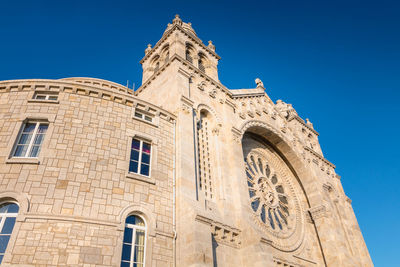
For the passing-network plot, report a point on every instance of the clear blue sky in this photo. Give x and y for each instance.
(337, 62)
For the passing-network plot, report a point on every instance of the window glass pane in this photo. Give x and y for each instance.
(146, 147)
(20, 151)
(146, 158)
(29, 127)
(53, 97)
(8, 225)
(135, 144)
(12, 208)
(128, 235)
(4, 242)
(43, 128)
(133, 166)
(40, 97)
(147, 118)
(138, 115)
(38, 139)
(135, 220)
(125, 264)
(34, 151)
(139, 238)
(126, 252)
(144, 169)
(134, 155)
(139, 254)
(25, 139)
(4, 208)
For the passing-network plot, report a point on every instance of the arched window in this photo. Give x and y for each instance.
(134, 243)
(8, 215)
(202, 60)
(189, 52)
(165, 53)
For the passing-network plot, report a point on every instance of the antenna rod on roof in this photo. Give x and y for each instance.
(127, 83)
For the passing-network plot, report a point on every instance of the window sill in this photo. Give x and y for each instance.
(141, 178)
(23, 161)
(43, 101)
(148, 122)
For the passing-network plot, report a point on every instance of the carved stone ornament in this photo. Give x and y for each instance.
(259, 83)
(213, 93)
(317, 212)
(272, 193)
(148, 49)
(211, 46)
(201, 86)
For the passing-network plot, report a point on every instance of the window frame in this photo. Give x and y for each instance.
(34, 134)
(3, 217)
(46, 96)
(143, 116)
(139, 161)
(135, 227)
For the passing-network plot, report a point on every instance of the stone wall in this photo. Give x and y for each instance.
(78, 193)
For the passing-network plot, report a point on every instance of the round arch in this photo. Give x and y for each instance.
(148, 216)
(21, 198)
(282, 146)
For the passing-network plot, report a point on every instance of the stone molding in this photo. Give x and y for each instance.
(285, 263)
(74, 87)
(301, 121)
(222, 233)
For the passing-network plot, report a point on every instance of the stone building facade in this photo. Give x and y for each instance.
(181, 172)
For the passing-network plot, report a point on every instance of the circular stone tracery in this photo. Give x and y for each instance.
(273, 200)
(267, 195)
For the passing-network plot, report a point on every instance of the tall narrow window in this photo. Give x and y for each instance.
(140, 157)
(189, 52)
(8, 215)
(134, 243)
(30, 140)
(205, 175)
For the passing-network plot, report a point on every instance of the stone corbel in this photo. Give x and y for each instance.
(187, 104)
(317, 212)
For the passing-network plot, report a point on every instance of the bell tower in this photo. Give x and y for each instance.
(180, 40)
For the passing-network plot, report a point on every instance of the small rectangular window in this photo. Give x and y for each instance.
(140, 157)
(143, 116)
(30, 140)
(45, 96)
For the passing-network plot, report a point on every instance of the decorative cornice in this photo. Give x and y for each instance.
(64, 85)
(319, 157)
(297, 118)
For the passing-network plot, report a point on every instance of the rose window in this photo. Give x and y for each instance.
(267, 194)
(273, 191)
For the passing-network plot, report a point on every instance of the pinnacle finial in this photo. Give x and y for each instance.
(308, 122)
(148, 49)
(211, 45)
(177, 20)
(259, 83)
